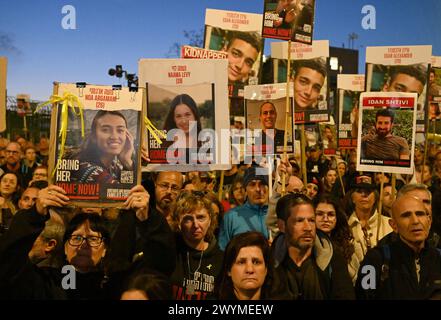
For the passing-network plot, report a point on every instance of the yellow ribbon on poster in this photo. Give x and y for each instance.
(157, 134)
(67, 100)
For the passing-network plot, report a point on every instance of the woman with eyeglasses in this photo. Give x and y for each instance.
(96, 269)
(199, 259)
(331, 219)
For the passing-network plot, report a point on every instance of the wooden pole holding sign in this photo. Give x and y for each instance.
(287, 111)
(380, 206)
(221, 185)
(303, 148)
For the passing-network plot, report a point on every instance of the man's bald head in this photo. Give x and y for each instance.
(411, 220)
(295, 185)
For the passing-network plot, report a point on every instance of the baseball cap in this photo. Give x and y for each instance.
(363, 181)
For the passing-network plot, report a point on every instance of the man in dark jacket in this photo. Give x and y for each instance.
(307, 268)
(407, 268)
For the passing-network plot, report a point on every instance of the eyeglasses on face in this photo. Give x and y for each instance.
(165, 186)
(77, 240)
(12, 152)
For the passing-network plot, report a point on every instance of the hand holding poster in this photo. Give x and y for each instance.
(349, 88)
(187, 99)
(3, 68)
(386, 132)
(104, 165)
(289, 20)
(265, 119)
(400, 69)
(310, 76)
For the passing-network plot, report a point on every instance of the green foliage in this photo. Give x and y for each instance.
(403, 123)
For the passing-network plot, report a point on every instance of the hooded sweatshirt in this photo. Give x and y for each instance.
(324, 275)
(196, 271)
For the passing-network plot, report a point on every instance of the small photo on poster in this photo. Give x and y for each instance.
(387, 132)
(328, 133)
(239, 35)
(434, 87)
(181, 112)
(400, 69)
(309, 74)
(289, 20)
(266, 121)
(349, 88)
(310, 90)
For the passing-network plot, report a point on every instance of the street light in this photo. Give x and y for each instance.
(132, 79)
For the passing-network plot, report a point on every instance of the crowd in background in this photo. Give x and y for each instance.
(198, 235)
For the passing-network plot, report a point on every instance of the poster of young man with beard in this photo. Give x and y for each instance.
(102, 166)
(386, 133)
(400, 69)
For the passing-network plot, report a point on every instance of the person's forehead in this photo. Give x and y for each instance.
(175, 177)
(408, 203)
(325, 207)
(245, 47)
(198, 210)
(182, 108)
(9, 177)
(255, 181)
(267, 107)
(420, 194)
(410, 82)
(303, 210)
(310, 74)
(254, 251)
(111, 120)
(383, 118)
(85, 228)
(295, 182)
(41, 171)
(13, 146)
(31, 192)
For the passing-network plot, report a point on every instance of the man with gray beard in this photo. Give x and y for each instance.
(167, 188)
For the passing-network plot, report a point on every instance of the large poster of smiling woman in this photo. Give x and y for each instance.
(102, 166)
(187, 101)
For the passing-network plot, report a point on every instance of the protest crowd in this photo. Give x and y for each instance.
(312, 217)
(174, 238)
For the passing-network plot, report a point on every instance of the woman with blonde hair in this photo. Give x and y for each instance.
(198, 259)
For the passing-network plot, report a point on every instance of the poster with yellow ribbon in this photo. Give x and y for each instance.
(97, 138)
(3, 69)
